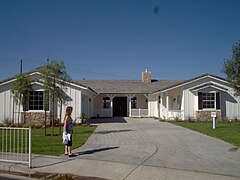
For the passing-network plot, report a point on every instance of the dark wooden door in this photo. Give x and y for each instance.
(120, 106)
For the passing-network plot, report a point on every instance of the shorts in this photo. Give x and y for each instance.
(69, 141)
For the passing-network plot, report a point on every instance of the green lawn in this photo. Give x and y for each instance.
(52, 145)
(229, 132)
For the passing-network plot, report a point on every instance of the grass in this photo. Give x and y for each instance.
(52, 145)
(229, 132)
(15, 141)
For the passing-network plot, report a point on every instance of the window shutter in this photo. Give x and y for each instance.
(46, 100)
(217, 100)
(200, 104)
(25, 103)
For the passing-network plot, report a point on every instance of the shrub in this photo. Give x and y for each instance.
(84, 119)
(225, 119)
(176, 118)
(33, 124)
(7, 122)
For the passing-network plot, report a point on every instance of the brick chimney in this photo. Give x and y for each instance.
(146, 76)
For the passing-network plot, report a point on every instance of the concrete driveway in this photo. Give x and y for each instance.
(146, 143)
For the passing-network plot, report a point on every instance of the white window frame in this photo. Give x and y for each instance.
(134, 102)
(35, 101)
(106, 103)
(209, 100)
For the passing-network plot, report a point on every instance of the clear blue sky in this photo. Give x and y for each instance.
(118, 39)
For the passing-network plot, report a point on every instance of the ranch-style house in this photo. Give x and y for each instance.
(189, 99)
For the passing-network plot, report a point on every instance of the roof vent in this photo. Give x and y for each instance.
(146, 76)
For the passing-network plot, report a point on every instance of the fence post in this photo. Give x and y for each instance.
(30, 148)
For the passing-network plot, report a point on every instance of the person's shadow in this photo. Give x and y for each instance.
(95, 150)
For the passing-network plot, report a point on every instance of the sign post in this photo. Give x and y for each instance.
(214, 115)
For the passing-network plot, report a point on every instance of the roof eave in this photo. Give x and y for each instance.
(190, 81)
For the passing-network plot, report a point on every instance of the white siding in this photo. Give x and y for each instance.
(142, 102)
(186, 105)
(232, 107)
(190, 104)
(6, 105)
(85, 105)
(74, 101)
(74, 94)
(153, 105)
(98, 107)
(195, 104)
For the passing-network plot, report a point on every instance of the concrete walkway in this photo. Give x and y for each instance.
(142, 148)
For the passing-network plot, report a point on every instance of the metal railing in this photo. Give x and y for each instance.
(16, 145)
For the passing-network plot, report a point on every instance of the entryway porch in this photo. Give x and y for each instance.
(120, 105)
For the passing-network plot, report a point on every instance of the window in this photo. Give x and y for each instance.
(134, 103)
(106, 102)
(36, 100)
(208, 100)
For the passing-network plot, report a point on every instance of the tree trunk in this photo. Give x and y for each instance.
(13, 113)
(24, 110)
(60, 118)
(45, 125)
(52, 119)
(18, 112)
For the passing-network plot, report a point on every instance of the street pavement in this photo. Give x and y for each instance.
(143, 148)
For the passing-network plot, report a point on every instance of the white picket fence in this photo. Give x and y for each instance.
(16, 145)
(139, 112)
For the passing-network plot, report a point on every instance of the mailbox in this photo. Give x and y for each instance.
(213, 114)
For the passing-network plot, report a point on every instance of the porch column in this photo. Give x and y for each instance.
(160, 108)
(146, 95)
(167, 104)
(130, 109)
(81, 104)
(111, 104)
(183, 104)
(93, 113)
(130, 96)
(90, 107)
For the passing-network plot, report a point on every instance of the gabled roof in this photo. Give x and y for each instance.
(208, 84)
(192, 80)
(127, 86)
(13, 77)
(37, 70)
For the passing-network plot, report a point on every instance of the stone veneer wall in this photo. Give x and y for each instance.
(206, 115)
(36, 118)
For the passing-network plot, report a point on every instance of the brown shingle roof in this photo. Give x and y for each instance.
(126, 86)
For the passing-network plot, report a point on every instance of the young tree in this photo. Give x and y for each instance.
(21, 89)
(231, 67)
(55, 78)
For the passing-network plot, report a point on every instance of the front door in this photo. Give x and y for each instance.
(120, 106)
